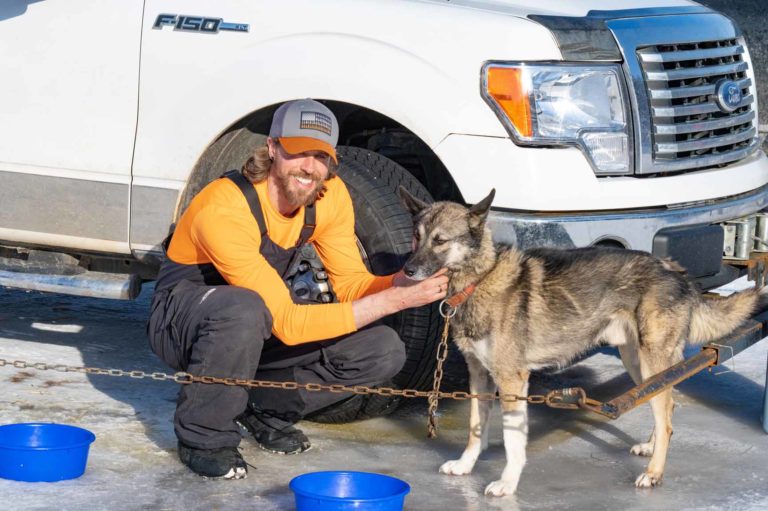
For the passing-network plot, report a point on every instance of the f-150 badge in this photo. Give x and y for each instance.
(197, 24)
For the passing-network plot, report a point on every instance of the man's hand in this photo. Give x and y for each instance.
(405, 293)
(414, 293)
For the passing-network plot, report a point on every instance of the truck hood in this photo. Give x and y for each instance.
(523, 8)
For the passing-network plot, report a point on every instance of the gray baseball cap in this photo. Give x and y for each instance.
(305, 125)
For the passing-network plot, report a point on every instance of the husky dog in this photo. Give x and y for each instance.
(542, 308)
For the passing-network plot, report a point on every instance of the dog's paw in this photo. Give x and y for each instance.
(501, 488)
(643, 449)
(646, 480)
(458, 467)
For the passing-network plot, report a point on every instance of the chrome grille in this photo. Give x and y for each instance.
(689, 128)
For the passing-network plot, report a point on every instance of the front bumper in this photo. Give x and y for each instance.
(634, 229)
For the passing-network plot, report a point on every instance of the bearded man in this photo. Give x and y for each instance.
(222, 308)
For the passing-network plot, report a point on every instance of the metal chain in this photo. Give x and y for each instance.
(442, 353)
(22, 364)
(186, 378)
(571, 398)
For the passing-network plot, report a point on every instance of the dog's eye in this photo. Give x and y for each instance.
(437, 240)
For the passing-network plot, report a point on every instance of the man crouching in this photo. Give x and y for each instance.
(221, 306)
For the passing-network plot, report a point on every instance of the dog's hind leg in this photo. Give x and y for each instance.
(629, 357)
(480, 382)
(515, 425)
(662, 405)
(622, 332)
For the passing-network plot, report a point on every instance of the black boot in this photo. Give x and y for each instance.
(224, 462)
(273, 435)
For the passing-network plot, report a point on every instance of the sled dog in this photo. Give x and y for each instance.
(542, 308)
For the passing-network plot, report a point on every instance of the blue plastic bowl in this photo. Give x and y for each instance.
(43, 452)
(347, 491)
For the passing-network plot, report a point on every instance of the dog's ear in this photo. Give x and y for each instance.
(479, 211)
(412, 204)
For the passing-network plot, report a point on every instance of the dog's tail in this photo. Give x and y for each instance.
(712, 319)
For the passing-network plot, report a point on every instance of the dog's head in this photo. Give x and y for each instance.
(446, 235)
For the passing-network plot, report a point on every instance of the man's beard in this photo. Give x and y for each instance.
(296, 196)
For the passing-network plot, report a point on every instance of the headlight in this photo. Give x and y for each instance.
(559, 104)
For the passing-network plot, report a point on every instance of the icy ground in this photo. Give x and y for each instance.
(576, 460)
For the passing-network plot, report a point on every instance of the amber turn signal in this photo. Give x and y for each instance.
(506, 86)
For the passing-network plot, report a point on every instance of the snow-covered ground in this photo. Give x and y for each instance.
(576, 460)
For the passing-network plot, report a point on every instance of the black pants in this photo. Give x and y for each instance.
(225, 332)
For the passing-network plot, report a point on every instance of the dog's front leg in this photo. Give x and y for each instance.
(480, 382)
(515, 425)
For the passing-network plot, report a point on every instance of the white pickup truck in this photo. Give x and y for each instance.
(630, 123)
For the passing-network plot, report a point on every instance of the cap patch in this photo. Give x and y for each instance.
(316, 121)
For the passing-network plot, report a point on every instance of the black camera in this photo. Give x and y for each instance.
(307, 279)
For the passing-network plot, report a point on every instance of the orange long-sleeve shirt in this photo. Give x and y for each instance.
(218, 228)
